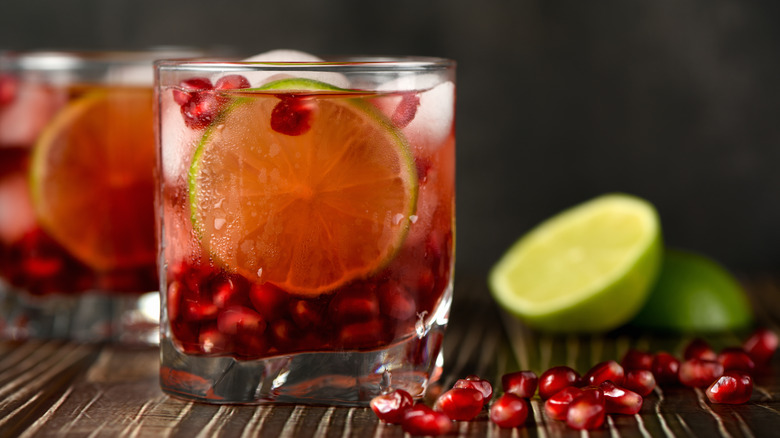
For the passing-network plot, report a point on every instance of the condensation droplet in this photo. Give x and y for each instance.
(260, 273)
(398, 218)
(413, 218)
(219, 223)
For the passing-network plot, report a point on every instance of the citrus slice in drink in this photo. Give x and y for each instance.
(307, 212)
(92, 178)
(587, 269)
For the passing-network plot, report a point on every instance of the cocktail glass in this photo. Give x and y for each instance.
(307, 227)
(77, 246)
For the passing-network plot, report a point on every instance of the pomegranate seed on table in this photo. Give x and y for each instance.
(475, 382)
(461, 404)
(557, 405)
(637, 360)
(556, 379)
(698, 348)
(665, 368)
(640, 381)
(601, 372)
(699, 373)
(422, 420)
(520, 383)
(736, 359)
(760, 346)
(619, 400)
(733, 387)
(391, 406)
(509, 411)
(587, 410)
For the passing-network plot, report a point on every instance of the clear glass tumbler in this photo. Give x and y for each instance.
(77, 245)
(307, 227)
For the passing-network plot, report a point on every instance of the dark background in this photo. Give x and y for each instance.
(558, 101)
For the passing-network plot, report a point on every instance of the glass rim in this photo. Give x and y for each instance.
(66, 59)
(329, 63)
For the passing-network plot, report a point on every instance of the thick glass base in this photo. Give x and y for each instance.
(88, 317)
(348, 378)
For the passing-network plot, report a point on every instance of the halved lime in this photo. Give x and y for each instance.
(587, 269)
(694, 294)
(306, 212)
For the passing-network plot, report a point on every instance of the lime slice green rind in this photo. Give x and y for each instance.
(570, 275)
(694, 294)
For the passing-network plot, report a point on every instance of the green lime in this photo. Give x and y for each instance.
(694, 294)
(587, 269)
(307, 212)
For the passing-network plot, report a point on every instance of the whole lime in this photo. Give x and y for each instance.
(694, 294)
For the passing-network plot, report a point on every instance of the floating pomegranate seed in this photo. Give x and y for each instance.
(391, 406)
(587, 410)
(509, 411)
(619, 400)
(520, 383)
(736, 359)
(269, 301)
(200, 110)
(637, 360)
(353, 305)
(640, 381)
(557, 405)
(760, 346)
(733, 387)
(189, 87)
(601, 372)
(461, 404)
(422, 420)
(555, 379)
(292, 115)
(240, 320)
(699, 349)
(665, 368)
(231, 82)
(406, 110)
(475, 382)
(699, 373)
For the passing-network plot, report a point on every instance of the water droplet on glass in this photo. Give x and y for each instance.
(259, 272)
(219, 223)
(413, 218)
(398, 218)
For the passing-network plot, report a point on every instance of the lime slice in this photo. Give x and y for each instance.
(694, 294)
(92, 178)
(588, 269)
(306, 212)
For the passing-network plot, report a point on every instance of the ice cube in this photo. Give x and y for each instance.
(178, 141)
(257, 78)
(432, 122)
(30, 108)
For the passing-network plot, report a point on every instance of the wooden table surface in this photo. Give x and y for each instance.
(55, 388)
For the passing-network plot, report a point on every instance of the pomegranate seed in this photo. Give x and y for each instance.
(42, 266)
(8, 88)
(292, 115)
(391, 406)
(212, 341)
(195, 311)
(422, 420)
(231, 82)
(305, 313)
(353, 306)
(269, 301)
(637, 360)
(733, 387)
(461, 404)
(699, 349)
(173, 300)
(558, 404)
(555, 379)
(200, 110)
(665, 368)
(619, 400)
(601, 372)
(396, 301)
(640, 381)
(760, 346)
(509, 411)
(240, 320)
(474, 382)
(226, 292)
(362, 334)
(520, 383)
(699, 372)
(190, 87)
(736, 359)
(587, 410)
(283, 333)
(406, 110)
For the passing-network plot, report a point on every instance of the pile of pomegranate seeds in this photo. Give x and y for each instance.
(584, 401)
